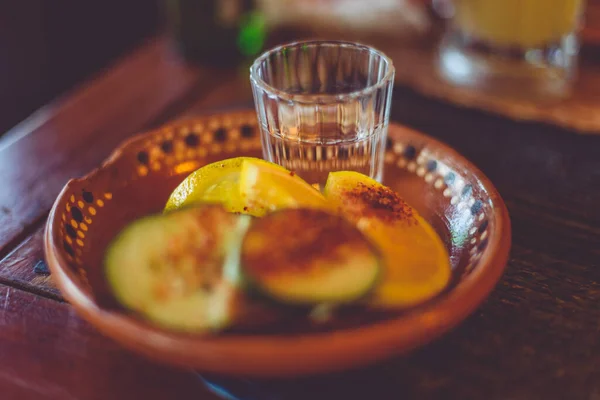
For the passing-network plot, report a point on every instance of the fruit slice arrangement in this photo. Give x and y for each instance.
(244, 230)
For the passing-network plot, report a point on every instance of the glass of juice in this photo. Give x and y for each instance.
(521, 48)
(323, 106)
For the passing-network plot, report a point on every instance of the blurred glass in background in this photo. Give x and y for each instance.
(522, 48)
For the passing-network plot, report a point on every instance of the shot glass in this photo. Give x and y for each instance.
(323, 106)
(518, 48)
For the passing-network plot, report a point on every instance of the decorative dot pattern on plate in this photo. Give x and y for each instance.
(73, 226)
(424, 165)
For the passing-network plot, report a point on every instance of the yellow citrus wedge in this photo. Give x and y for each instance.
(214, 183)
(266, 187)
(416, 263)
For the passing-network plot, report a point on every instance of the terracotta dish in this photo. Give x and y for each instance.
(458, 200)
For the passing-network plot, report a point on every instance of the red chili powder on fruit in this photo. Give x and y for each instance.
(297, 238)
(377, 202)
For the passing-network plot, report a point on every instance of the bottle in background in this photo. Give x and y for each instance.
(216, 32)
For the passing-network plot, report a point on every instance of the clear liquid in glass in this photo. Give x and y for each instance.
(314, 157)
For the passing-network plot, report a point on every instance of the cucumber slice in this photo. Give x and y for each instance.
(308, 256)
(170, 268)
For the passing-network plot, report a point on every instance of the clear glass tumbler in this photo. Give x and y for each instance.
(323, 106)
(519, 48)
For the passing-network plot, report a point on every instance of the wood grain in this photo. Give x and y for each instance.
(47, 352)
(235, 91)
(73, 135)
(25, 268)
(49, 47)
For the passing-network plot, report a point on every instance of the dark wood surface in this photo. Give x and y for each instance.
(48, 46)
(47, 352)
(536, 337)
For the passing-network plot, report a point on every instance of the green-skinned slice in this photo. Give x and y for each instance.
(174, 270)
(307, 257)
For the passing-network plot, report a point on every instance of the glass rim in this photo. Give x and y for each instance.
(320, 98)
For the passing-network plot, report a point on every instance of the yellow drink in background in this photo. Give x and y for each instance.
(517, 23)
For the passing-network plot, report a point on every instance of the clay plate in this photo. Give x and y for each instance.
(446, 189)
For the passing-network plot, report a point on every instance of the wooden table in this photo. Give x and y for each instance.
(538, 335)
